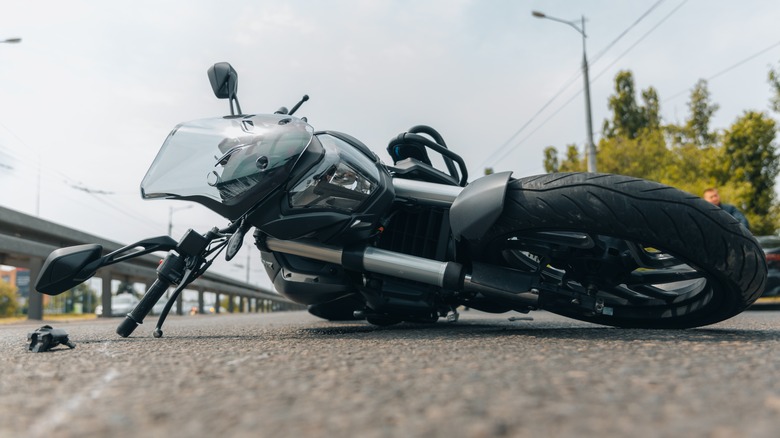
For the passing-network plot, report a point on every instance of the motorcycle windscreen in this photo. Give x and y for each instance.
(227, 159)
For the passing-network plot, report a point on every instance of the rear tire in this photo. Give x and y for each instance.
(626, 252)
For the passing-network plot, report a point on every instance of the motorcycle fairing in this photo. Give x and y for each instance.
(478, 206)
(223, 162)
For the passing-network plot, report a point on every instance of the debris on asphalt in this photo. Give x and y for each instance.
(46, 338)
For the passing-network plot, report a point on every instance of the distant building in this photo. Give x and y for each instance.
(18, 277)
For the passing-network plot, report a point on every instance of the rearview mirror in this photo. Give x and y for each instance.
(66, 268)
(224, 80)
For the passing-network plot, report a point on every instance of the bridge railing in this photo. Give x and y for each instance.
(26, 241)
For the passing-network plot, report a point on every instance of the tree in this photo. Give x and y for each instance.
(67, 301)
(774, 82)
(125, 287)
(644, 156)
(628, 117)
(8, 301)
(752, 159)
(633, 142)
(742, 161)
(696, 129)
(702, 110)
(633, 130)
(87, 296)
(574, 162)
(551, 164)
(650, 113)
(692, 168)
(696, 161)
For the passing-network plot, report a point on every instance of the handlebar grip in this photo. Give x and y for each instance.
(136, 317)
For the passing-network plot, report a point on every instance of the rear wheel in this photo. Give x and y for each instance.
(626, 252)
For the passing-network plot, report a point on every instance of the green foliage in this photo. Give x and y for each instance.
(8, 301)
(774, 82)
(67, 301)
(644, 156)
(573, 161)
(749, 146)
(697, 127)
(88, 297)
(629, 119)
(650, 113)
(125, 287)
(691, 168)
(742, 162)
(551, 164)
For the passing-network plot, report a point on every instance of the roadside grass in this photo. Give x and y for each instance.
(59, 318)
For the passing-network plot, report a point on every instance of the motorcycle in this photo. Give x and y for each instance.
(353, 238)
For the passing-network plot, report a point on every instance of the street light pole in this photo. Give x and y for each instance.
(11, 40)
(590, 148)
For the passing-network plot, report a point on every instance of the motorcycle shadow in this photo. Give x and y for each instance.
(534, 330)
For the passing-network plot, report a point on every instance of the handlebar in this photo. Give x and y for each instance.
(169, 272)
(175, 269)
(136, 317)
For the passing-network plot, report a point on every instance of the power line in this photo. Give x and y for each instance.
(640, 39)
(501, 150)
(544, 122)
(728, 69)
(47, 171)
(619, 37)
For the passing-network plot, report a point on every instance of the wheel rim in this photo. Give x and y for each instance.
(602, 276)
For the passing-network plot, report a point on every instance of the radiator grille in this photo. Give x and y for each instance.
(421, 233)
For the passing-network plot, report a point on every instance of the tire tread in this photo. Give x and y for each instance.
(647, 212)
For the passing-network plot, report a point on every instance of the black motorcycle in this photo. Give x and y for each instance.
(354, 238)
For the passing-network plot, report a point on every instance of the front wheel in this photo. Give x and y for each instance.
(626, 252)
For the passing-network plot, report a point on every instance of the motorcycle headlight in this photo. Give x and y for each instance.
(336, 181)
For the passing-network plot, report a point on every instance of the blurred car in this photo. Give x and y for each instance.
(191, 307)
(771, 246)
(121, 305)
(159, 306)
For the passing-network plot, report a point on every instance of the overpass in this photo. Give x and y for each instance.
(26, 241)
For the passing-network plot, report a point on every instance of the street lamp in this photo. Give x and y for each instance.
(11, 40)
(170, 217)
(590, 148)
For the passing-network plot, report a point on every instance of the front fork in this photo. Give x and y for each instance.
(517, 288)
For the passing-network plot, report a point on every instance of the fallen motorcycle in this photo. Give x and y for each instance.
(354, 238)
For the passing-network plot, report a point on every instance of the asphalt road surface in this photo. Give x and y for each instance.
(292, 375)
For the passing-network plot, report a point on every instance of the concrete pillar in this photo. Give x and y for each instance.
(201, 307)
(231, 303)
(35, 299)
(218, 304)
(180, 304)
(105, 292)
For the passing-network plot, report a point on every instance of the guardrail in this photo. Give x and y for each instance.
(26, 241)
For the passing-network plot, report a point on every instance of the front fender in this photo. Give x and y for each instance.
(478, 206)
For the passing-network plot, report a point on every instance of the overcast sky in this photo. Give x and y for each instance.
(92, 91)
